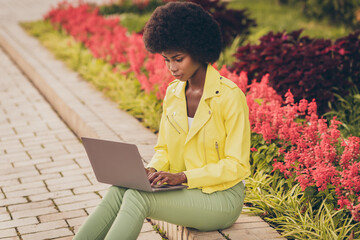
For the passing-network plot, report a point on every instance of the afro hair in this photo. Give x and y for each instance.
(185, 27)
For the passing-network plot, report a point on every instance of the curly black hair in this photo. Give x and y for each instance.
(185, 27)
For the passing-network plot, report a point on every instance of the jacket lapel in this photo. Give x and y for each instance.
(180, 115)
(203, 112)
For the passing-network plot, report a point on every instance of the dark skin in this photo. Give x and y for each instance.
(182, 66)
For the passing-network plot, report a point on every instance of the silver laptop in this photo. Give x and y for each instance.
(120, 164)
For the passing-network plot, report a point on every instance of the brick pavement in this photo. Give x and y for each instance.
(46, 187)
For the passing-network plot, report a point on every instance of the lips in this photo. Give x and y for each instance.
(177, 76)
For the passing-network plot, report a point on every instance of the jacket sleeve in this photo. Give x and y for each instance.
(235, 165)
(160, 160)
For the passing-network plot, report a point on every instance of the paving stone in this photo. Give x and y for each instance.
(25, 173)
(76, 221)
(17, 171)
(76, 198)
(54, 233)
(18, 222)
(70, 156)
(83, 162)
(75, 148)
(12, 201)
(147, 227)
(90, 210)
(50, 195)
(10, 238)
(76, 229)
(55, 164)
(79, 205)
(6, 167)
(26, 192)
(46, 153)
(96, 188)
(69, 185)
(31, 140)
(62, 215)
(23, 186)
(4, 217)
(30, 206)
(34, 212)
(40, 227)
(3, 210)
(102, 193)
(79, 171)
(31, 162)
(92, 178)
(59, 169)
(8, 233)
(15, 156)
(9, 182)
(65, 238)
(41, 177)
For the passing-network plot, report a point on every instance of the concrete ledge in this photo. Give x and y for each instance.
(175, 232)
(247, 227)
(99, 117)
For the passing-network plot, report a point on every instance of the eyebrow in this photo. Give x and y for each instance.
(175, 56)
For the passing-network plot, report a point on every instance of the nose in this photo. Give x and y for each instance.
(173, 67)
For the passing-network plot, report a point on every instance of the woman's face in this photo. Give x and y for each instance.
(180, 64)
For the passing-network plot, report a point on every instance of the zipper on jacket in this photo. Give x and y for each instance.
(177, 123)
(217, 149)
(204, 142)
(167, 116)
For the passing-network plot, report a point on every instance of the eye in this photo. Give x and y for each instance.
(166, 60)
(179, 59)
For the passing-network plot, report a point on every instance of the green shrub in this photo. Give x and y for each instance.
(134, 22)
(262, 154)
(347, 110)
(337, 11)
(227, 56)
(297, 217)
(127, 6)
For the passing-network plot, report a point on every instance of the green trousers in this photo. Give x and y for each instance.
(122, 212)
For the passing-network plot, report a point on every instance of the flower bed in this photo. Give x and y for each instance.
(306, 150)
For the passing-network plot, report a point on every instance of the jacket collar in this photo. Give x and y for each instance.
(211, 87)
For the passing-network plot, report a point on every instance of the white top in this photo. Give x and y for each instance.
(190, 120)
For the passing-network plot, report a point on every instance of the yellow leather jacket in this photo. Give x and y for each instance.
(214, 153)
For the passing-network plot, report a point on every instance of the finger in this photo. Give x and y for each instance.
(155, 174)
(157, 179)
(152, 176)
(163, 180)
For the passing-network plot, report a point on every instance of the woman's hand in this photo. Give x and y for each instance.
(170, 178)
(150, 170)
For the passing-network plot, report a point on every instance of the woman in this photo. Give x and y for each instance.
(204, 136)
